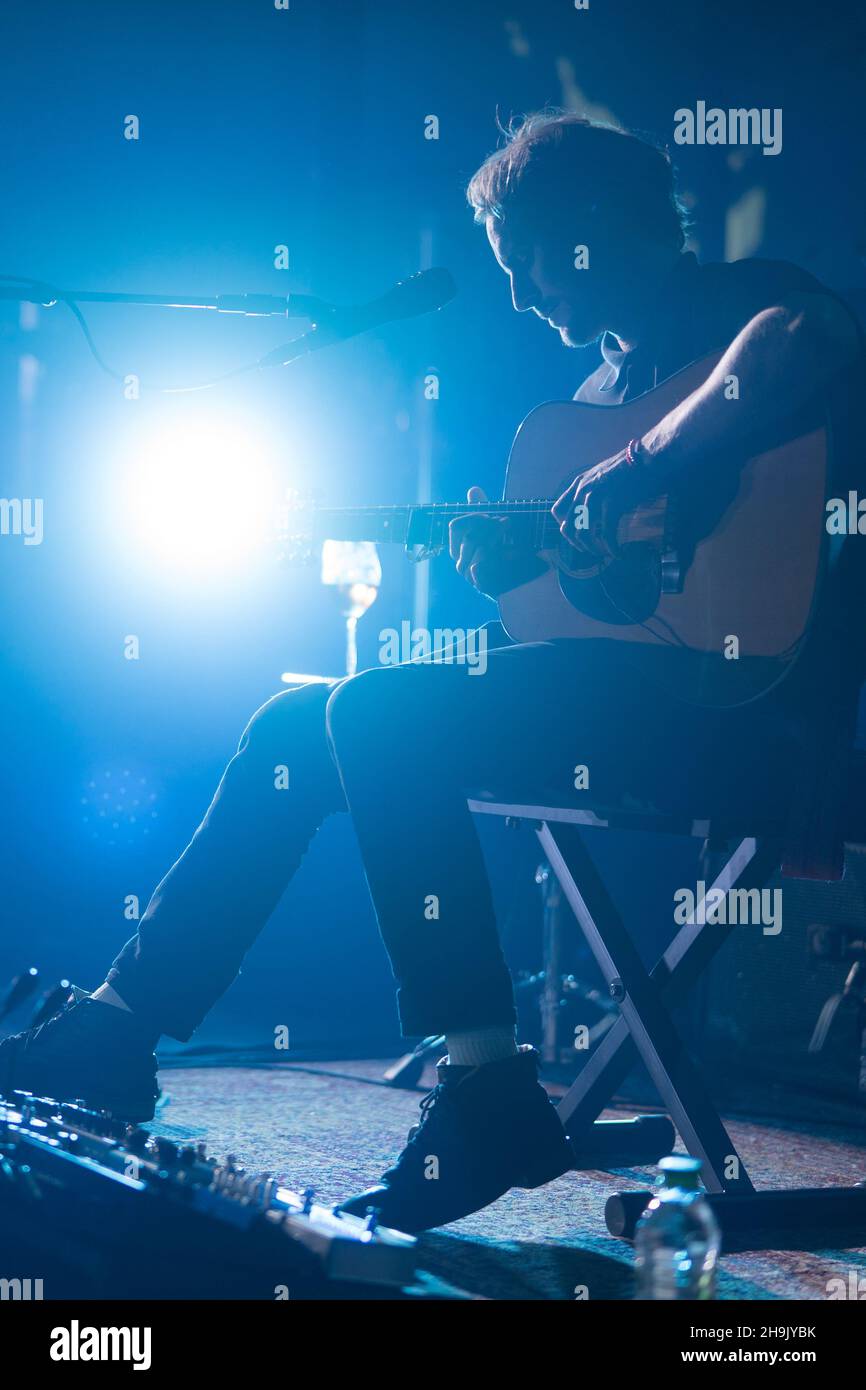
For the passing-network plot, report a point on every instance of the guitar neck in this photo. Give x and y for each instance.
(426, 524)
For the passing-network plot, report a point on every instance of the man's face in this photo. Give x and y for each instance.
(540, 264)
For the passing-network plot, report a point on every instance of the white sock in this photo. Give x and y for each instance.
(480, 1045)
(106, 995)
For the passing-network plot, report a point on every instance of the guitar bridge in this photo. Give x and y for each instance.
(671, 576)
(671, 572)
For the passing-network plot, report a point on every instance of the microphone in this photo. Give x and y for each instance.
(419, 294)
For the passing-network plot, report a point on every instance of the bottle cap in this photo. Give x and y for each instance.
(679, 1170)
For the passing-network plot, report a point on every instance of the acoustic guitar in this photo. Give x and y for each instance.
(731, 552)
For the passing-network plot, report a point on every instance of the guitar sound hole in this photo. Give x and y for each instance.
(627, 590)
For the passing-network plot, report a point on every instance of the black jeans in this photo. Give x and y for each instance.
(399, 746)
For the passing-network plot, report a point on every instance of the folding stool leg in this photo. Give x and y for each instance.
(749, 866)
(673, 1072)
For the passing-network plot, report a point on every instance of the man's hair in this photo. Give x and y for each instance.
(560, 157)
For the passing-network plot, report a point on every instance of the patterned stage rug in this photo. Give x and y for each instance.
(324, 1125)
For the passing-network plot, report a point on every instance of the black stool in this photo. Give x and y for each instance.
(753, 1220)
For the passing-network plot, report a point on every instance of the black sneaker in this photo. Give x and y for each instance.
(90, 1051)
(483, 1130)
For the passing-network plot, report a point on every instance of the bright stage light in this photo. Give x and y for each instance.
(202, 499)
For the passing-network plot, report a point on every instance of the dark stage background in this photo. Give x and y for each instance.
(305, 128)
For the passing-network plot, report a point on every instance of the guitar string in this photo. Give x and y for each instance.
(538, 512)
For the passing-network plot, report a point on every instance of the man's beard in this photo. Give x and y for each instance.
(577, 339)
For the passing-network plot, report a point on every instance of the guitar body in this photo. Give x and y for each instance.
(735, 552)
(722, 575)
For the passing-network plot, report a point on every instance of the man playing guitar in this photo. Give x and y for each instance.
(584, 221)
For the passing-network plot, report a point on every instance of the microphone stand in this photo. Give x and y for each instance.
(304, 306)
(418, 294)
(331, 323)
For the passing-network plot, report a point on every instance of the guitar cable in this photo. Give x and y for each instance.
(642, 623)
(784, 658)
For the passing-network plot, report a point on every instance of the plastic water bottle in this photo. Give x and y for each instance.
(677, 1239)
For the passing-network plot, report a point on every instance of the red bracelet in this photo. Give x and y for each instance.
(632, 450)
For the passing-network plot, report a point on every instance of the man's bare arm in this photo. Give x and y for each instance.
(781, 357)
(778, 360)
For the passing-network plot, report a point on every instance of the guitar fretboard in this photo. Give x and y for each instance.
(426, 524)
